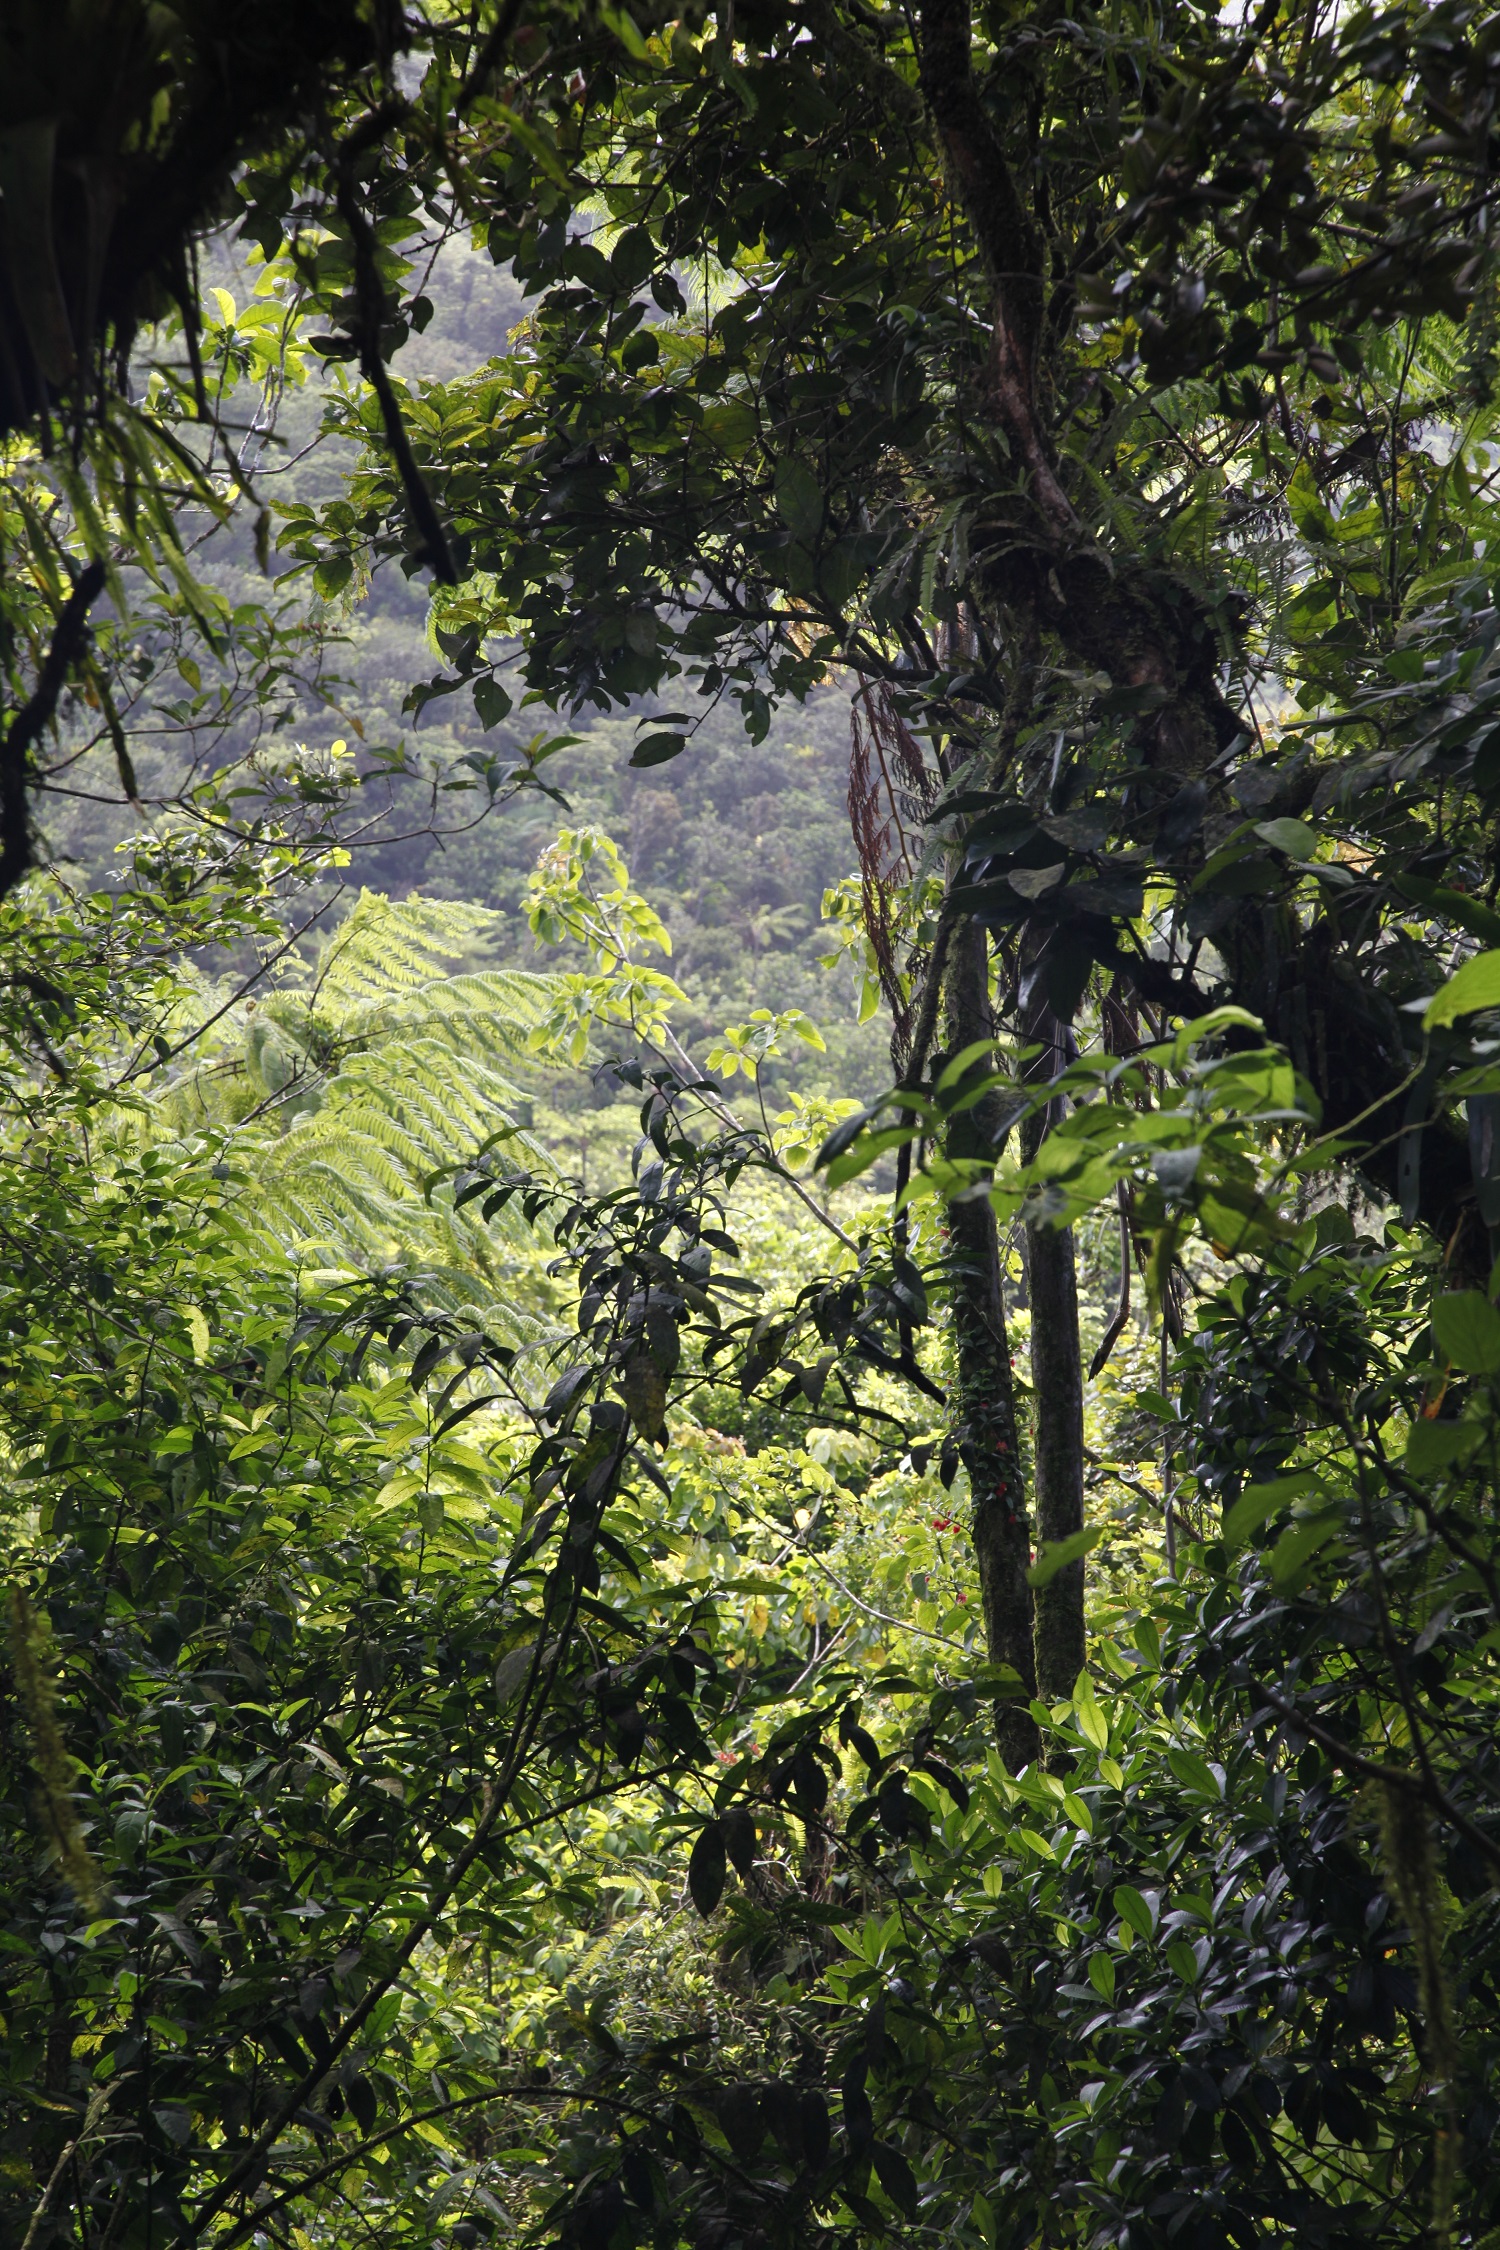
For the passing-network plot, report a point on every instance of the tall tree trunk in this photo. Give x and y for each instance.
(1148, 629)
(984, 1416)
(1057, 1387)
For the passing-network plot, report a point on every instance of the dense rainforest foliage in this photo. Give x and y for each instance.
(750, 1125)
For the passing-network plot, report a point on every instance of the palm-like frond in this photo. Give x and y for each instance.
(387, 945)
(355, 1088)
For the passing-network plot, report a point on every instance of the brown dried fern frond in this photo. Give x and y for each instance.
(890, 792)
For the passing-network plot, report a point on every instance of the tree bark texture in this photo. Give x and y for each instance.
(1057, 1452)
(1146, 627)
(984, 1419)
(1056, 1370)
(69, 640)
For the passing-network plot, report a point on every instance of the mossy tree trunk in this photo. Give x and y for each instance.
(984, 1407)
(1057, 1398)
(1057, 1452)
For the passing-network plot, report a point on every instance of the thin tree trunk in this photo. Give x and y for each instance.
(1057, 1384)
(984, 1422)
(1056, 1373)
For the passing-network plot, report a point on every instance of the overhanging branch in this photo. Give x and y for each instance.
(69, 639)
(370, 309)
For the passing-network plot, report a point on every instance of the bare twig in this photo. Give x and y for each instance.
(91, 2118)
(1112, 1333)
(489, 54)
(535, 1693)
(350, 2156)
(370, 309)
(1344, 1754)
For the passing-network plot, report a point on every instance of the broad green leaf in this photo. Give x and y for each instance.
(730, 424)
(400, 1487)
(1134, 1911)
(896, 2177)
(657, 749)
(1055, 1555)
(1434, 1446)
(867, 1150)
(1259, 1502)
(1470, 914)
(1299, 1543)
(1293, 837)
(1467, 1328)
(1309, 510)
(707, 1868)
(1196, 1774)
(1092, 1724)
(627, 31)
(1078, 1812)
(799, 499)
(491, 702)
(633, 257)
(1184, 1960)
(511, 1671)
(1476, 985)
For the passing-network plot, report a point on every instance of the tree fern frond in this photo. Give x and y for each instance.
(498, 1004)
(387, 946)
(362, 1086)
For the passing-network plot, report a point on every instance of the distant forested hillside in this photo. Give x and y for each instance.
(736, 842)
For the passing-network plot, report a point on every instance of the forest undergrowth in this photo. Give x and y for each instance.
(749, 1085)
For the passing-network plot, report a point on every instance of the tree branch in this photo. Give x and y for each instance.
(1396, 1777)
(864, 63)
(370, 307)
(495, 44)
(1007, 240)
(1008, 244)
(538, 1686)
(356, 2155)
(69, 639)
(91, 2118)
(1121, 1314)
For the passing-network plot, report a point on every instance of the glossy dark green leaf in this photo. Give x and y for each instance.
(707, 1867)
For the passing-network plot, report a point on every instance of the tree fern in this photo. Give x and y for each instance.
(352, 1088)
(387, 946)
